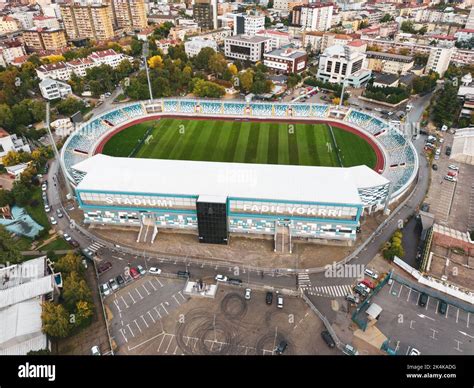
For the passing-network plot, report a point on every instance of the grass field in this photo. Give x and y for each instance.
(242, 142)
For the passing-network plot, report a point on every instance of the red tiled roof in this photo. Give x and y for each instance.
(3, 133)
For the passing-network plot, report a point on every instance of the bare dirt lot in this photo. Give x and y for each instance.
(167, 322)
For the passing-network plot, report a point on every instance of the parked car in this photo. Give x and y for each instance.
(364, 287)
(134, 273)
(234, 281)
(371, 273)
(104, 267)
(452, 173)
(352, 298)
(279, 301)
(442, 307)
(221, 278)
(453, 167)
(47, 209)
(105, 289)
(67, 237)
(154, 271)
(281, 347)
(44, 186)
(74, 243)
(141, 270)
(53, 221)
(350, 350)
(88, 253)
(95, 351)
(184, 274)
(113, 284)
(423, 300)
(434, 167)
(59, 213)
(328, 339)
(448, 151)
(269, 297)
(450, 178)
(247, 294)
(120, 280)
(368, 283)
(361, 290)
(414, 352)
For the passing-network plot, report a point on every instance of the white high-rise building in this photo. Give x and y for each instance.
(313, 17)
(249, 24)
(439, 59)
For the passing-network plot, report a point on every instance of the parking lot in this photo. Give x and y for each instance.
(449, 201)
(152, 316)
(408, 325)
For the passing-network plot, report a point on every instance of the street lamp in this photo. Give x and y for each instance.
(342, 92)
(145, 55)
(56, 152)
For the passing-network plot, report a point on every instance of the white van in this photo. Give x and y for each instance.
(279, 301)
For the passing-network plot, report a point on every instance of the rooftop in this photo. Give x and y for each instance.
(277, 182)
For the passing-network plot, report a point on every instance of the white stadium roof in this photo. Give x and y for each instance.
(243, 180)
(463, 146)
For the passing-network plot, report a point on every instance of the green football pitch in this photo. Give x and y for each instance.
(241, 142)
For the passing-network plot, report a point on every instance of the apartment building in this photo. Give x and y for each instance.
(8, 24)
(45, 39)
(63, 70)
(130, 15)
(313, 17)
(53, 89)
(9, 51)
(46, 22)
(248, 23)
(439, 60)
(87, 20)
(205, 14)
(389, 63)
(278, 38)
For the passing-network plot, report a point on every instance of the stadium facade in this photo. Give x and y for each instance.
(218, 200)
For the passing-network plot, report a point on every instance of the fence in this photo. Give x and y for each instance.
(433, 293)
(327, 324)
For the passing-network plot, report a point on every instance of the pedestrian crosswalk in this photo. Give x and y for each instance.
(95, 247)
(304, 280)
(330, 291)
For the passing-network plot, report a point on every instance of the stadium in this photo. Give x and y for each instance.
(303, 171)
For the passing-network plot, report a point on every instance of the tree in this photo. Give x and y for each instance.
(70, 263)
(6, 198)
(207, 89)
(246, 80)
(136, 47)
(6, 116)
(217, 64)
(71, 105)
(83, 313)
(155, 62)
(75, 289)
(407, 26)
(446, 106)
(201, 61)
(9, 253)
(55, 320)
(363, 24)
(22, 194)
(386, 18)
